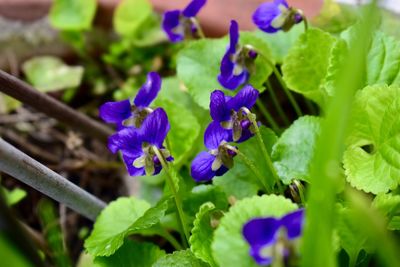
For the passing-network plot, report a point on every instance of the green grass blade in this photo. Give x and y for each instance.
(318, 247)
(53, 234)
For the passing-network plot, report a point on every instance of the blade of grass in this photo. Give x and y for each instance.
(53, 234)
(29, 171)
(317, 249)
(15, 244)
(372, 224)
(51, 107)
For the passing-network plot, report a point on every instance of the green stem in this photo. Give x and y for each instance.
(265, 153)
(310, 106)
(170, 238)
(268, 116)
(305, 21)
(250, 164)
(178, 201)
(275, 101)
(199, 29)
(284, 86)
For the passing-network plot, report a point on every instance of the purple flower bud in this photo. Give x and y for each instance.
(252, 54)
(298, 18)
(245, 124)
(156, 160)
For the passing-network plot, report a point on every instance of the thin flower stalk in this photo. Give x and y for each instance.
(178, 200)
(264, 151)
(290, 96)
(276, 104)
(250, 164)
(264, 111)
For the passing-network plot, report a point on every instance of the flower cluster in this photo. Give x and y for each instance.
(181, 24)
(271, 238)
(139, 141)
(230, 124)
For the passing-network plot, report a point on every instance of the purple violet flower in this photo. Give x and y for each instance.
(179, 24)
(120, 111)
(277, 15)
(236, 61)
(138, 144)
(232, 112)
(271, 237)
(219, 157)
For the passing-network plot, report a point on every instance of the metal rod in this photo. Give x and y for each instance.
(25, 93)
(22, 167)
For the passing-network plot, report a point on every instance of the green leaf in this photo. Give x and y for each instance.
(205, 193)
(335, 17)
(184, 129)
(335, 66)
(229, 247)
(352, 239)
(13, 196)
(281, 42)
(306, 65)
(292, 153)
(130, 15)
(52, 233)
(120, 218)
(383, 60)
(183, 258)
(372, 156)
(8, 104)
(198, 68)
(173, 90)
(12, 255)
(388, 204)
(202, 234)
(132, 254)
(394, 223)
(50, 74)
(240, 181)
(72, 15)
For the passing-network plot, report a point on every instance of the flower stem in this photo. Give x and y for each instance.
(310, 106)
(250, 164)
(170, 238)
(284, 86)
(265, 153)
(178, 201)
(199, 29)
(305, 21)
(268, 116)
(275, 101)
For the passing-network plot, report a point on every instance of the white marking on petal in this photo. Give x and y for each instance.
(267, 251)
(139, 162)
(281, 18)
(237, 70)
(217, 163)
